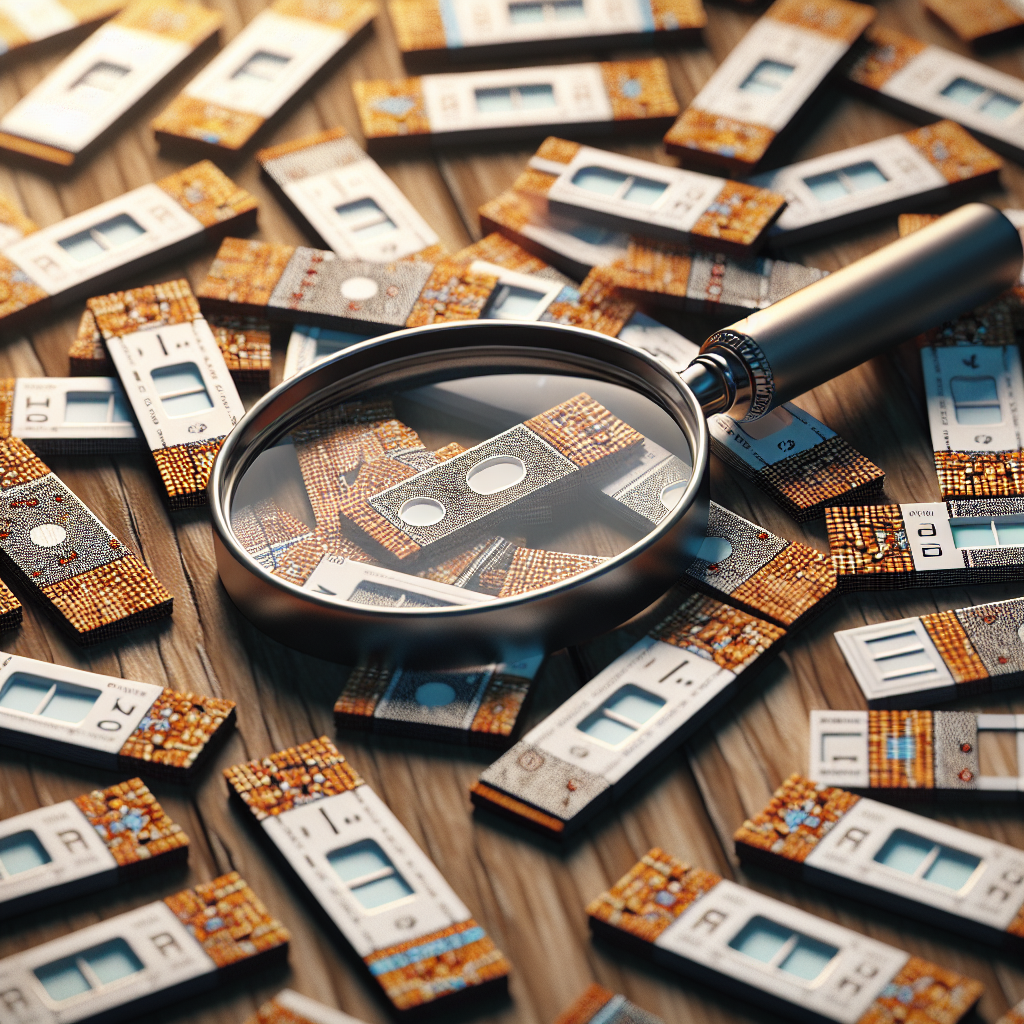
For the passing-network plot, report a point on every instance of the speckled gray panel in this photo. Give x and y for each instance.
(956, 768)
(993, 631)
(304, 163)
(420, 697)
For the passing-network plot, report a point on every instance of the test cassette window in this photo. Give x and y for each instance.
(111, 234)
(1005, 532)
(369, 875)
(88, 971)
(513, 302)
(976, 400)
(768, 78)
(839, 747)
(181, 389)
(365, 219)
(560, 10)
(20, 853)
(262, 66)
(901, 656)
(783, 948)
(95, 407)
(922, 858)
(34, 695)
(629, 187)
(624, 713)
(520, 97)
(833, 185)
(980, 98)
(103, 76)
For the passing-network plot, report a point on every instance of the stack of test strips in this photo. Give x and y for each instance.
(915, 752)
(134, 963)
(368, 877)
(782, 958)
(108, 722)
(289, 1007)
(599, 1006)
(101, 839)
(890, 857)
(760, 89)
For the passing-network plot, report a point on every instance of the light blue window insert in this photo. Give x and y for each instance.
(89, 970)
(513, 302)
(783, 948)
(369, 874)
(621, 715)
(515, 97)
(900, 748)
(607, 182)
(21, 852)
(262, 66)
(36, 695)
(181, 389)
(365, 219)
(532, 12)
(832, 185)
(111, 234)
(998, 532)
(976, 400)
(768, 78)
(919, 857)
(95, 407)
(980, 98)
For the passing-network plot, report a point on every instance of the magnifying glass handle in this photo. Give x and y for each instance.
(945, 269)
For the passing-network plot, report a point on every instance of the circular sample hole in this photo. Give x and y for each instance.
(715, 550)
(47, 535)
(671, 493)
(359, 289)
(435, 695)
(421, 512)
(495, 474)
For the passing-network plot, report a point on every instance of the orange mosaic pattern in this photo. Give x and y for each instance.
(655, 97)
(19, 464)
(87, 356)
(245, 273)
(349, 17)
(10, 609)
(90, 10)
(372, 479)
(185, 471)
(480, 791)
(509, 211)
(297, 563)
(12, 217)
(672, 15)
(1016, 926)
(1015, 1015)
(734, 142)
(134, 827)
(38, 150)
(799, 815)
(790, 585)
(390, 109)
(739, 214)
(187, 117)
(651, 895)
(17, 290)
(110, 599)
(980, 474)
(890, 52)
(244, 343)
(659, 268)
(533, 568)
(731, 638)
(228, 920)
(975, 20)
(906, 729)
(955, 647)
(362, 693)
(418, 25)
(265, 524)
(422, 979)
(185, 23)
(209, 195)
(154, 305)
(293, 776)
(599, 308)
(837, 19)
(868, 540)
(953, 151)
(452, 292)
(6, 405)
(272, 1012)
(500, 705)
(178, 730)
(908, 223)
(583, 430)
(583, 1010)
(496, 248)
(451, 569)
(924, 992)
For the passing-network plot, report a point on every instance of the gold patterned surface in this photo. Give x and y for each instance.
(923, 993)
(791, 585)
(584, 1009)
(509, 211)
(837, 19)
(390, 109)
(975, 19)
(418, 25)
(908, 734)
(889, 52)
(245, 272)
(480, 791)
(373, 478)
(500, 705)
(153, 305)
(361, 694)
(738, 142)
(207, 193)
(671, 15)
(19, 464)
(185, 470)
(268, 153)
(639, 89)
(36, 150)
(908, 223)
(244, 342)
(868, 540)
(17, 290)
(533, 568)
(10, 609)
(178, 729)
(980, 474)
(1015, 1015)
(599, 308)
(659, 268)
(452, 292)
(297, 563)
(6, 405)
(183, 22)
(87, 356)
(739, 214)
(583, 430)
(188, 117)
(348, 16)
(272, 1012)
(496, 248)
(12, 217)
(953, 151)
(955, 647)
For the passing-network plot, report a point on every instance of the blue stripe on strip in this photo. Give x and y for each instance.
(426, 951)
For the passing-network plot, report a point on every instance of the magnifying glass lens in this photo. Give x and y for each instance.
(462, 489)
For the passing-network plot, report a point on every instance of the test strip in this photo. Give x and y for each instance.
(916, 752)
(100, 839)
(627, 718)
(14, 225)
(275, 57)
(599, 1006)
(923, 82)
(67, 415)
(24, 25)
(856, 185)
(92, 585)
(428, 30)
(479, 707)
(785, 960)
(82, 254)
(177, 381)
(891, 857)
(83, 99)
(1015, 1015)
(345, 202)
(941, 656)
(110, 723)
(980, 21)
(766, 82)
(289, 1007)
(648, 199)
(927, 544)
(514, 103)
(368, 876)
(193, 941)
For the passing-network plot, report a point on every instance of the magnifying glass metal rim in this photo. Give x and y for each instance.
(324, 384)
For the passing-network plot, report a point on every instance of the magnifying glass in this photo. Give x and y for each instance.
(487, 491)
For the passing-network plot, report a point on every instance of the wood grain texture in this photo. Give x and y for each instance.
(529, 896)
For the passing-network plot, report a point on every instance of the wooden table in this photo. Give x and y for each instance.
(529, 896)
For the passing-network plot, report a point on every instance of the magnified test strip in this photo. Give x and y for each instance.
(891, 857)
(513, 103)
(24, 25)
(249, 82)
(345, 202)
(479, 707)
(482, 29)
(854, 186)
(80, 255)
(928, 544)
(649, 199)
(764, 84)
(916, 752)
(108, 722)
(786, 960)
(98, 840)
(191, 942)
(368, 877)
(82, 99)
(600, 1006)
(627, 718)
(977, 22)
(176, 380)
(289, 1007)
(937, 657)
